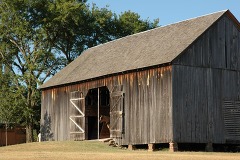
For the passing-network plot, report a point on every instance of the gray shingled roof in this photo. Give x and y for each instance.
(153, 47)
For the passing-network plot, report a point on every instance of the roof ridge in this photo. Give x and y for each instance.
(209, 14)
(223, 11)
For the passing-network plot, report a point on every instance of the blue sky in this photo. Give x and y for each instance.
(170, 11)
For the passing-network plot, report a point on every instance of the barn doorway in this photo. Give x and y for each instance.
(97, 103)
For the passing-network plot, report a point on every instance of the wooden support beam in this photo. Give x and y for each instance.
(173, 147)
(151, 147)
(131, 147)
(98, 111)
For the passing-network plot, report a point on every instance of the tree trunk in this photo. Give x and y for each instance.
(29, 133)
(29, 125)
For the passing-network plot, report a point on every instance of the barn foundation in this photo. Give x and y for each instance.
(209, 147)
(131, 147)
(151, 147)
(173, 147)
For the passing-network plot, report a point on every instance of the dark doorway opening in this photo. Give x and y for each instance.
(92, 127)
(97, 103)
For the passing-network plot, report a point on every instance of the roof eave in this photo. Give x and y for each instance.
(106, 76)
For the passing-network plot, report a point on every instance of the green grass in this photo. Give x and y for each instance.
(98, 150)
(64, 146)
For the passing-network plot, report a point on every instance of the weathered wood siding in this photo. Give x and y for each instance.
(216, 48)
(147, 101)
(204, 76)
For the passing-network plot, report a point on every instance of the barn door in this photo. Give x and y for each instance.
(77, 116)
(116, 112)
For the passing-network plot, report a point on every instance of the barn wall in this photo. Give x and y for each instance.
(205, 76)
(148, 111)
(199, 95)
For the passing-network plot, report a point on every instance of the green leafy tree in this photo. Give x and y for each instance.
(67, 26)
(129, 23)
(10, 102)
(27, 54)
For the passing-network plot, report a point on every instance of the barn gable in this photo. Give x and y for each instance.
(216, 48)
(150, 48)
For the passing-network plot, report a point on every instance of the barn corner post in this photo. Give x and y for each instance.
(98, 110)
(173, 146)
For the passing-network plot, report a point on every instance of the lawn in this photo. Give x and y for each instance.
(87, 150)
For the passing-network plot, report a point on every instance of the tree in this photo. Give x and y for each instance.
(11, 103)
(39, 37)
(66, 24)
(130, 23)
(25, 51)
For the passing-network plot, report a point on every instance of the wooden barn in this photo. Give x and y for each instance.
(178, 83)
